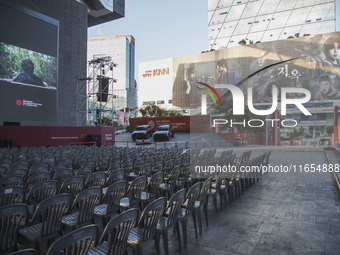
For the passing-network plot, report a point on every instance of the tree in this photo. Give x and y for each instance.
(242, 42)
(104, 121)
(156, 111)
(297, 132)
(329, 129)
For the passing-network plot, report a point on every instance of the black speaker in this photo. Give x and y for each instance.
(5, 143)
(96, 138)
(103, 89)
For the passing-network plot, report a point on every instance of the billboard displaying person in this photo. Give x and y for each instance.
(327, 90)
(226, 76)
(298, 62)
(28, 76)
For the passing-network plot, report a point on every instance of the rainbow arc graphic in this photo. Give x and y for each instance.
(209, 93)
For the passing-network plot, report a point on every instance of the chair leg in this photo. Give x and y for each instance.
(184, 222)
(195, 223)
(178, 235)
(215, 202)
(205, 208)
(165, 241)
(221, 198)
(140, 248)
(199, 219)
(157, 238)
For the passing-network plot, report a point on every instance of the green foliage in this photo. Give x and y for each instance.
(242, 42)
(10, 63)
(329, 129)
(104, 121)
(156, 111)
(297, 132)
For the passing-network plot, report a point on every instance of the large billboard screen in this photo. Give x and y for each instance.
(28, 65)
(310, 62)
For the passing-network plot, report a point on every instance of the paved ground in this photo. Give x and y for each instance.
(282, 214)
(181, 140)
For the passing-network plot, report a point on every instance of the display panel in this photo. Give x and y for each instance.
(310, 62)
(28, 65)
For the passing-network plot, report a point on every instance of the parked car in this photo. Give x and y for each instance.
(164, 132)
(142, 132)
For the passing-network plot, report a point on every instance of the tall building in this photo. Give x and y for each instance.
(230, 21)
(121, 50)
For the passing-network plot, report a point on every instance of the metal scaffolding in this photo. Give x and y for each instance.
(99, 92)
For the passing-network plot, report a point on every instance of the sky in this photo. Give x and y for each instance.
(165, 29)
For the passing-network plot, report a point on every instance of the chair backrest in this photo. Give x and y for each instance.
(73, 185)
(51, 211)
(115, 176)
(36, 178)
(12, 195)
(158, 166)
(204, 190)
(117, 231)
(11, 216)
(96, 179)
(38, 168)
(138, 165)
(85, 171)
(174, 206)
(59, 167)
(146, 169)
(154, 182)
(12, 181)
(28, 251)
(135, 189)
(3, 171)
(150, 216)
(174, 175)
(77, 242)
(85, 201)
(63, 175)
(103, 164)
(113, 195)
(150, 160)
(192, 197)
(41, 191)
(17, 172)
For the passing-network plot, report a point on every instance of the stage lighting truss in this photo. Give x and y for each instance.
(99, 91)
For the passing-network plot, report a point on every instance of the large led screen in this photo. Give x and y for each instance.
(28, 65)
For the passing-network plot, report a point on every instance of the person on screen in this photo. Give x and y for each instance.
(327, 91)
(226, 76)
(331, 49)
(28, 75)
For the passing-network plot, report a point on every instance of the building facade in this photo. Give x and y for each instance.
(308, 62)
(230, 22)
(154, 79)
(53, 36)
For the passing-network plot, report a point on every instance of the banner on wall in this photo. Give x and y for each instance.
(122, 118)
(310, 62)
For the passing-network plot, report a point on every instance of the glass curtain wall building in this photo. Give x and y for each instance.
(121, 49)
(231, 21)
